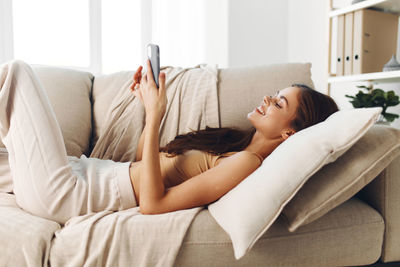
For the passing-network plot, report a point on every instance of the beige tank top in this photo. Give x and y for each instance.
(175, 170)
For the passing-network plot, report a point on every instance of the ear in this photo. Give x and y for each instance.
(287, 133)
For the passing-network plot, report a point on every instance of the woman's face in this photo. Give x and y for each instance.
(273, 117)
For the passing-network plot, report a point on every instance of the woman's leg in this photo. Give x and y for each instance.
(44, 183)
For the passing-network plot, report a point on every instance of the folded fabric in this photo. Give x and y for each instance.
(337, 182)
(124, 238)
(249, 209)
(192, 104)
(26, 239)
(6, 182)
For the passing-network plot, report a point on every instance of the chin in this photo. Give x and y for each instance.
(248, 115)
(251, 118)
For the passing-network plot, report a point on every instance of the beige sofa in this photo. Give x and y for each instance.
(360, 231)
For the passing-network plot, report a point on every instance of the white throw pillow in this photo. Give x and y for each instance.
(248, 210)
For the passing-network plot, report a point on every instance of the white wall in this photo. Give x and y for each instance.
(264, 32)
(6, 47)
(307, 37)
(257, 32)
(216, 32)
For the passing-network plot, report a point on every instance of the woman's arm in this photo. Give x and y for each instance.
(139, 150)
(137, 77)
(208, 186)
(151, 184)
(155, 101)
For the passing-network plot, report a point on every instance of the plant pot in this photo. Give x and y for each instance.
(382, 121)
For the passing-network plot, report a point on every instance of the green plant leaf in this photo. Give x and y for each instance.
(392, 99)
(390, 116)
(356, 104)
(375, 98)
(378, 92)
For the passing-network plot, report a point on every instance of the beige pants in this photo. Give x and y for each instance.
(47, 182)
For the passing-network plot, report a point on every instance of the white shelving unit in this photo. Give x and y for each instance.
(378, 77)
(392, 6)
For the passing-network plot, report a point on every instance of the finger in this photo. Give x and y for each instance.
(161, 79)
(137, 93)
(133, 85)
(149, 72)
(140, 74)
(137, 74)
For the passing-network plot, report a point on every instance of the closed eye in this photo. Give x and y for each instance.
(276, 103)
(281, 97)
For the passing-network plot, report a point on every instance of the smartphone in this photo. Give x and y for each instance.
(153, 53)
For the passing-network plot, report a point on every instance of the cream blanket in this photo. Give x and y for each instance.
(129, 238)
(192, 104)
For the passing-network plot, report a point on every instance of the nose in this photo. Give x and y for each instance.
(267, 99)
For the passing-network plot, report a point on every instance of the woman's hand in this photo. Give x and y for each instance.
(137, 77)
(154, 99)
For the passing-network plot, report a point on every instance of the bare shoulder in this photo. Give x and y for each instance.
(244, 158)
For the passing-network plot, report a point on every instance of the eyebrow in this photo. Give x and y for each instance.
(283, 97)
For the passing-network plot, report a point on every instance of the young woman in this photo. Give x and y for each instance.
(207, 164)
(193, 170)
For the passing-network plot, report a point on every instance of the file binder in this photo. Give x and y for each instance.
(374, 40)
(348, 43)
(340, 46)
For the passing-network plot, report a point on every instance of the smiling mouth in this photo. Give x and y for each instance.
(260, 110)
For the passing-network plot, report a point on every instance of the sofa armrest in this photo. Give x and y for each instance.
(383, 193)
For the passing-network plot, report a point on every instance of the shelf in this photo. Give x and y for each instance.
(392, 6)
(376, 77)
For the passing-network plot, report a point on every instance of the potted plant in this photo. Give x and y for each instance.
(376, 98)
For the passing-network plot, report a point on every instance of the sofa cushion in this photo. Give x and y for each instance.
(338, 181)
(249, 209)
(69, 92)
(242, 89)
(26, 239)
(105, 88)
(383, 195)
(349, 235)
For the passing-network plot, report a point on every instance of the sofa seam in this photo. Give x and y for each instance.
(384, 193)
(92, 122)
(280, 236)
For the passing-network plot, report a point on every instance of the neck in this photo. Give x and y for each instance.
(263, 146)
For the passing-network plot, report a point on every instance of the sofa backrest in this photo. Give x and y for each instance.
(79, 105)
(105, 88)
(69, 92)
(242, 89)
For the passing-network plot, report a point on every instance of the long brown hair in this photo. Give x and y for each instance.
(314, 107)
